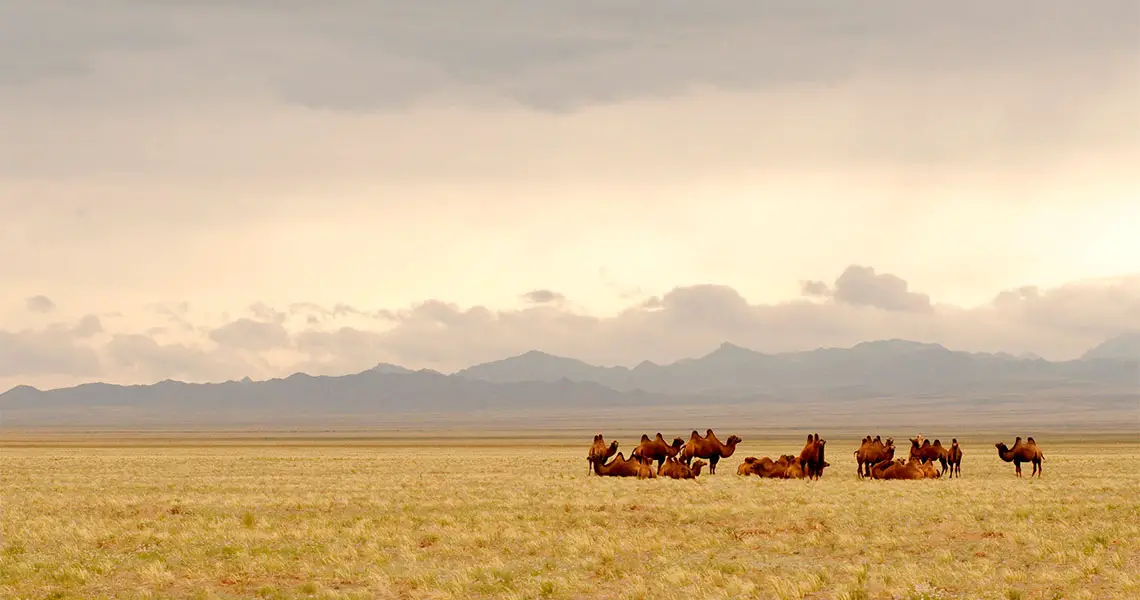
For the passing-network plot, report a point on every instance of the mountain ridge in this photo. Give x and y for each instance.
(874, 383)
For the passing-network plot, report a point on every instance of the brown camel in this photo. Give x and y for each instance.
(656, 449)
(954, 458)
(794, 471)
(927, 452)
(898, 469)
(599, 452)
(872, 452)
(811, 457)
(1022, 452)
(766, 467)
(678, 470)
(708, 447)
(622, 467)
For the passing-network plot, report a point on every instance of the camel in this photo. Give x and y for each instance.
(622, 467)
(927, 452)
(794, 471)
(765, 467)
(1022, 452)
(872, 452)
(954, 458)
(811, 457)
(599, 452)
(678, 470)
(656, 449)
(708, 447)
(898, 469)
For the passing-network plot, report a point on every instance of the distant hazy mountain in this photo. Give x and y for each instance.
(888, 366)
(889, 377)
(1122, 347)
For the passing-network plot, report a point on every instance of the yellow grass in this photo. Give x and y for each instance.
(345, 521)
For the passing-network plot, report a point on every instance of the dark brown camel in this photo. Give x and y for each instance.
(872, 452)
(599, 452)
(811, 457)
(676, 469)
(622, 467)
(708, 447)
(656, 449)
(954, 458)
(927, 452)
(1022, 452)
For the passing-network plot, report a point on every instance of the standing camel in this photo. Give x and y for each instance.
(872, 452)
(1022, 452)
(811, 457)
(954, 458)
(656, 448)
(708, 447)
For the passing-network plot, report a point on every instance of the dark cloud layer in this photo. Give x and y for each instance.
(861, 304)
(564, 54)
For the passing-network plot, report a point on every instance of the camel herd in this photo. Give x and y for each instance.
(875, 458)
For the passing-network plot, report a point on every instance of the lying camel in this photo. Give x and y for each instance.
(1022, 452)
(811, 457)
(708, 447)
(656, 449)
(954, 458)
(765, 467)
(872, 452)
(622, 467)
(927, 452)
(898, 469)
(678, 470)
(599, 452)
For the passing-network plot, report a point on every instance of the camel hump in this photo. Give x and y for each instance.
(954, 441)
(1031, 440)
(708, 432)
(644, 438)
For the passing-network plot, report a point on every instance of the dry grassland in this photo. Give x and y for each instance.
(495, 521)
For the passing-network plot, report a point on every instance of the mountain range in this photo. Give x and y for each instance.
(902, 376)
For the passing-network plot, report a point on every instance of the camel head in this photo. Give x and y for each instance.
(954, 442)
(733, 440)
(1001, 447)
(914, 443)
(613, 445)
(890, 442)
(697, 466)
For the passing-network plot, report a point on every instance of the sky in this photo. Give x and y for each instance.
(205, 190)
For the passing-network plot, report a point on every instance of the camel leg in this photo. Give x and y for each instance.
(712, 464)
(859, 470)
(1017, 467)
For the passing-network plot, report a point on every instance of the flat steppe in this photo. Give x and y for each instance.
(419, 515)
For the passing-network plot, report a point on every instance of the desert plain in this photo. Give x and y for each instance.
(447, 515)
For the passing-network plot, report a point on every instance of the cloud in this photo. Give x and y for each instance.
(862, 286)
(255, 336)
(562, 54)
(40, 304)
(862, 304)
(543, 297)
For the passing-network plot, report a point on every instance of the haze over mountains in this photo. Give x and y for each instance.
(872, 382)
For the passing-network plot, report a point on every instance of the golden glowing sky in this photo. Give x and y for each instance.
(211, 183)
